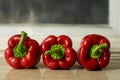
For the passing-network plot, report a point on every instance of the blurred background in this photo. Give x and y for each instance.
(54, 11)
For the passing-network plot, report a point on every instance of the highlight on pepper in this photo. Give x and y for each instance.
(58, 52)
(94, 52)
(22, 51)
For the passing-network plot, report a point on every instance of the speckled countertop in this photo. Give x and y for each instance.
(111, 72)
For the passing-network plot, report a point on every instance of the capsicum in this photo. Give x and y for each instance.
(58, 52)
(22, 51)
(94, 52)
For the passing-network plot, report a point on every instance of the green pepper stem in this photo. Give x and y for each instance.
(96, 50)
(20, 44)
(56, 51)
(20, 49)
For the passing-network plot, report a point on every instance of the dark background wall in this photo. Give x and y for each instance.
(54, 11)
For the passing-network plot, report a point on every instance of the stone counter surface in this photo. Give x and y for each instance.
(111, 72)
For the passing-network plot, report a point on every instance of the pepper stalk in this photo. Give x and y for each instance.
(96, 50)
(56, 51)
(20, 50)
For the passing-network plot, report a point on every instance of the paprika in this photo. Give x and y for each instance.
(22, 51)
(58, 52)
(94, 52)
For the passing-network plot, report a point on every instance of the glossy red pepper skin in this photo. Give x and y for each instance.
(69, 58)
(84, 58)
(29, 60)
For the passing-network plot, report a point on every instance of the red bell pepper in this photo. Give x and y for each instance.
(22, 51)
(94, 53)
(58, 52)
